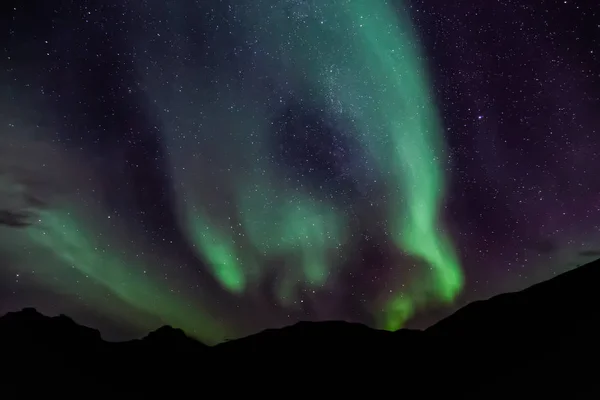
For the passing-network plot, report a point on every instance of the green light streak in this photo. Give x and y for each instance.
(363, 56)
(92, 256)
(416, 143)
(413, 141)
(295, 234)
(297, 228)
(220, 252)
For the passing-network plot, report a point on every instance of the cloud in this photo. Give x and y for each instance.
(33, 175)
(590, 253)
(14, 219)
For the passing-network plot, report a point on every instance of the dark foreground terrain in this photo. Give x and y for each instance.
(543, 341)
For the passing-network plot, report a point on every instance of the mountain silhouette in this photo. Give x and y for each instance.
(541, 341)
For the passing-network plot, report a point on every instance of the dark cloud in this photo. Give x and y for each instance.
(15, 219)
(590, 253)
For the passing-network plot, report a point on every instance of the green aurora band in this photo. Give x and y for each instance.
(379, 67)
(126, 278)
(358, 55)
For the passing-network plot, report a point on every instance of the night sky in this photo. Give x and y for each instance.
(230, 166)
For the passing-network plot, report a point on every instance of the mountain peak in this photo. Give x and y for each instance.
(172, 337)
(31, 324)
(167, 332)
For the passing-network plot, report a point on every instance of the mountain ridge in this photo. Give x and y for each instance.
(526, 336)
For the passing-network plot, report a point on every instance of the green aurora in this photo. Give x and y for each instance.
(358, 55)
(243, 217)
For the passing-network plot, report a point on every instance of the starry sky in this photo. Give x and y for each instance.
(229, 166)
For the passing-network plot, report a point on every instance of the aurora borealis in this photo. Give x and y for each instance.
(226, 167)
